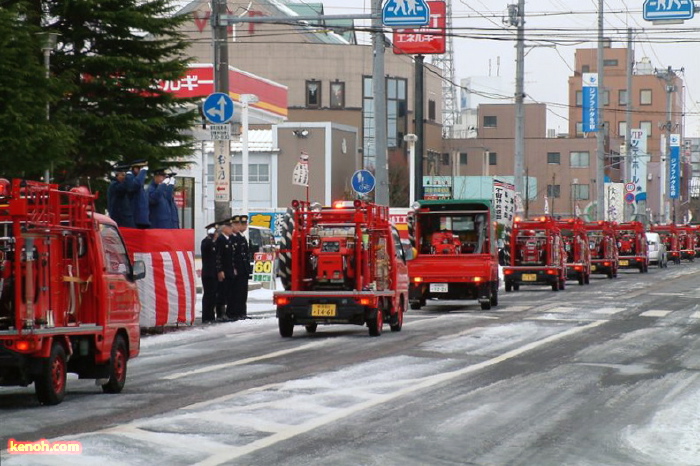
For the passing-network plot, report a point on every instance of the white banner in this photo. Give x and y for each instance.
(503, 202)
(301, 171)
(614, 201)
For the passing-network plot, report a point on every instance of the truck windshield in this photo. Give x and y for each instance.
(454, 234)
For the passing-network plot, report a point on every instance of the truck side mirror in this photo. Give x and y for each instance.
(138, 271)
(409, 252)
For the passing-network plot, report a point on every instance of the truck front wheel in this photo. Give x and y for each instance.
(397, 319)
(286, 325)
(50, 386)
(117, 366)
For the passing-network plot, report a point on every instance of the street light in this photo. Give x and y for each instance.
(49, 44)
(246, 100)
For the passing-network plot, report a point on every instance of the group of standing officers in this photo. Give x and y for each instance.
(225, 271)
(132, 205)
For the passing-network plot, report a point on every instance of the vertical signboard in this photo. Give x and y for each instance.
(503, 202)
(638, 164)
(222, 171)
(429, 39)
(614, 201)
(674, 170)
(590, 102)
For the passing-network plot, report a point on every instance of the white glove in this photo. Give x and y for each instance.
(172, 180)
(144, 169)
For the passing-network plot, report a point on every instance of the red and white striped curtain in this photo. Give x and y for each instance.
(167, 294)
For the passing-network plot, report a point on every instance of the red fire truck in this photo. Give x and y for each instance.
(686, 242)
(341, 265)
(603, 246)
(68, 297)
(537, 255)
(457, 255)
(578, 256)
(633, 252)
(669, 236)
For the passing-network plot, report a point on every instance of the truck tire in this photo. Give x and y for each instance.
(516, 287)
(286, 325)
(397, 319)
(311, 328)
(376, 323)
(494, 296)
(555, 285)
(582, 278)
(415, 305)
(117, 366)
(562, 284)
(509, 286)
(486, 305)
(50, 385)
(284, 258)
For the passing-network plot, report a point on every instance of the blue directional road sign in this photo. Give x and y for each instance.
(405, 13)
(363, 181)
(659, 10)
(218, 108)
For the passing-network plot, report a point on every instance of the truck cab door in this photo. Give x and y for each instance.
(121, 293)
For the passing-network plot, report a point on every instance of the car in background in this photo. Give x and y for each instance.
(657, 250)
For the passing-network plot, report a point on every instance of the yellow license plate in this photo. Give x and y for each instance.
(529, 277)
(323, 310)
(625, 262)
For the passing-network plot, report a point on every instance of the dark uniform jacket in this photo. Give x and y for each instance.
(119, 203)
(224, 255)
(160, 199)
(241, 255)
(208, 250)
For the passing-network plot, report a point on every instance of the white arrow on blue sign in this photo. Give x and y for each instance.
(218, 108)
(363, 181)
(658, 10)
(405, 13)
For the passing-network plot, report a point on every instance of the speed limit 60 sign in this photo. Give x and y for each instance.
(263, 266)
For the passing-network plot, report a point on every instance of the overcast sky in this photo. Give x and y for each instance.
(482, 40)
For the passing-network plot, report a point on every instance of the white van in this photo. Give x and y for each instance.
(657, 250)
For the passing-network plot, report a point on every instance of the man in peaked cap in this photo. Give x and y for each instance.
(118, 196)
(139, 199)
(225, 272)
(241, 262)
(210, 283)
(161, 201)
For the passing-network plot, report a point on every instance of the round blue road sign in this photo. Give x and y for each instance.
(218, 108)
(363, 181)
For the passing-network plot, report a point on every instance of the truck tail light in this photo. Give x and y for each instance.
(25, 345)
(417, 279)
(478, 279)
(365, 301)
(552, 272)
(606, 264)
(578, 268)
(507, 272)
(282, 300)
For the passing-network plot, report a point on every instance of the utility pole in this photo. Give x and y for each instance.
(668, 76)
(628, 124)
(600, 134)
(381, 170)
(222, 148)
(419, 105)
(516, 17)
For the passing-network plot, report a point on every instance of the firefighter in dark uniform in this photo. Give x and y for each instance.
(210, 283)
(225, 272)
(241, 261)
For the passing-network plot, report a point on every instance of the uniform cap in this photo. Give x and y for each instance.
(236, 219)
(139, 163)
(211, 225)
(120, 167)
(159, 171)
(244, 219)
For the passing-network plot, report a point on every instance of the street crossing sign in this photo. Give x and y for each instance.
(405, 13)
(668, 10)
(218, 108)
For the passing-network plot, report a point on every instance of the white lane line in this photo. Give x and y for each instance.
(232, 453)
(609, 310)
(514, 308)
(561, 309)
(241, 362)
(655, 313)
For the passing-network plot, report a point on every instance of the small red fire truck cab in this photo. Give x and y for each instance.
(669, 236)
(341, 265)
(578, 256)
(603, 246)
(457, 255)
(537, 255)
(633, 251)
(68, 297)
